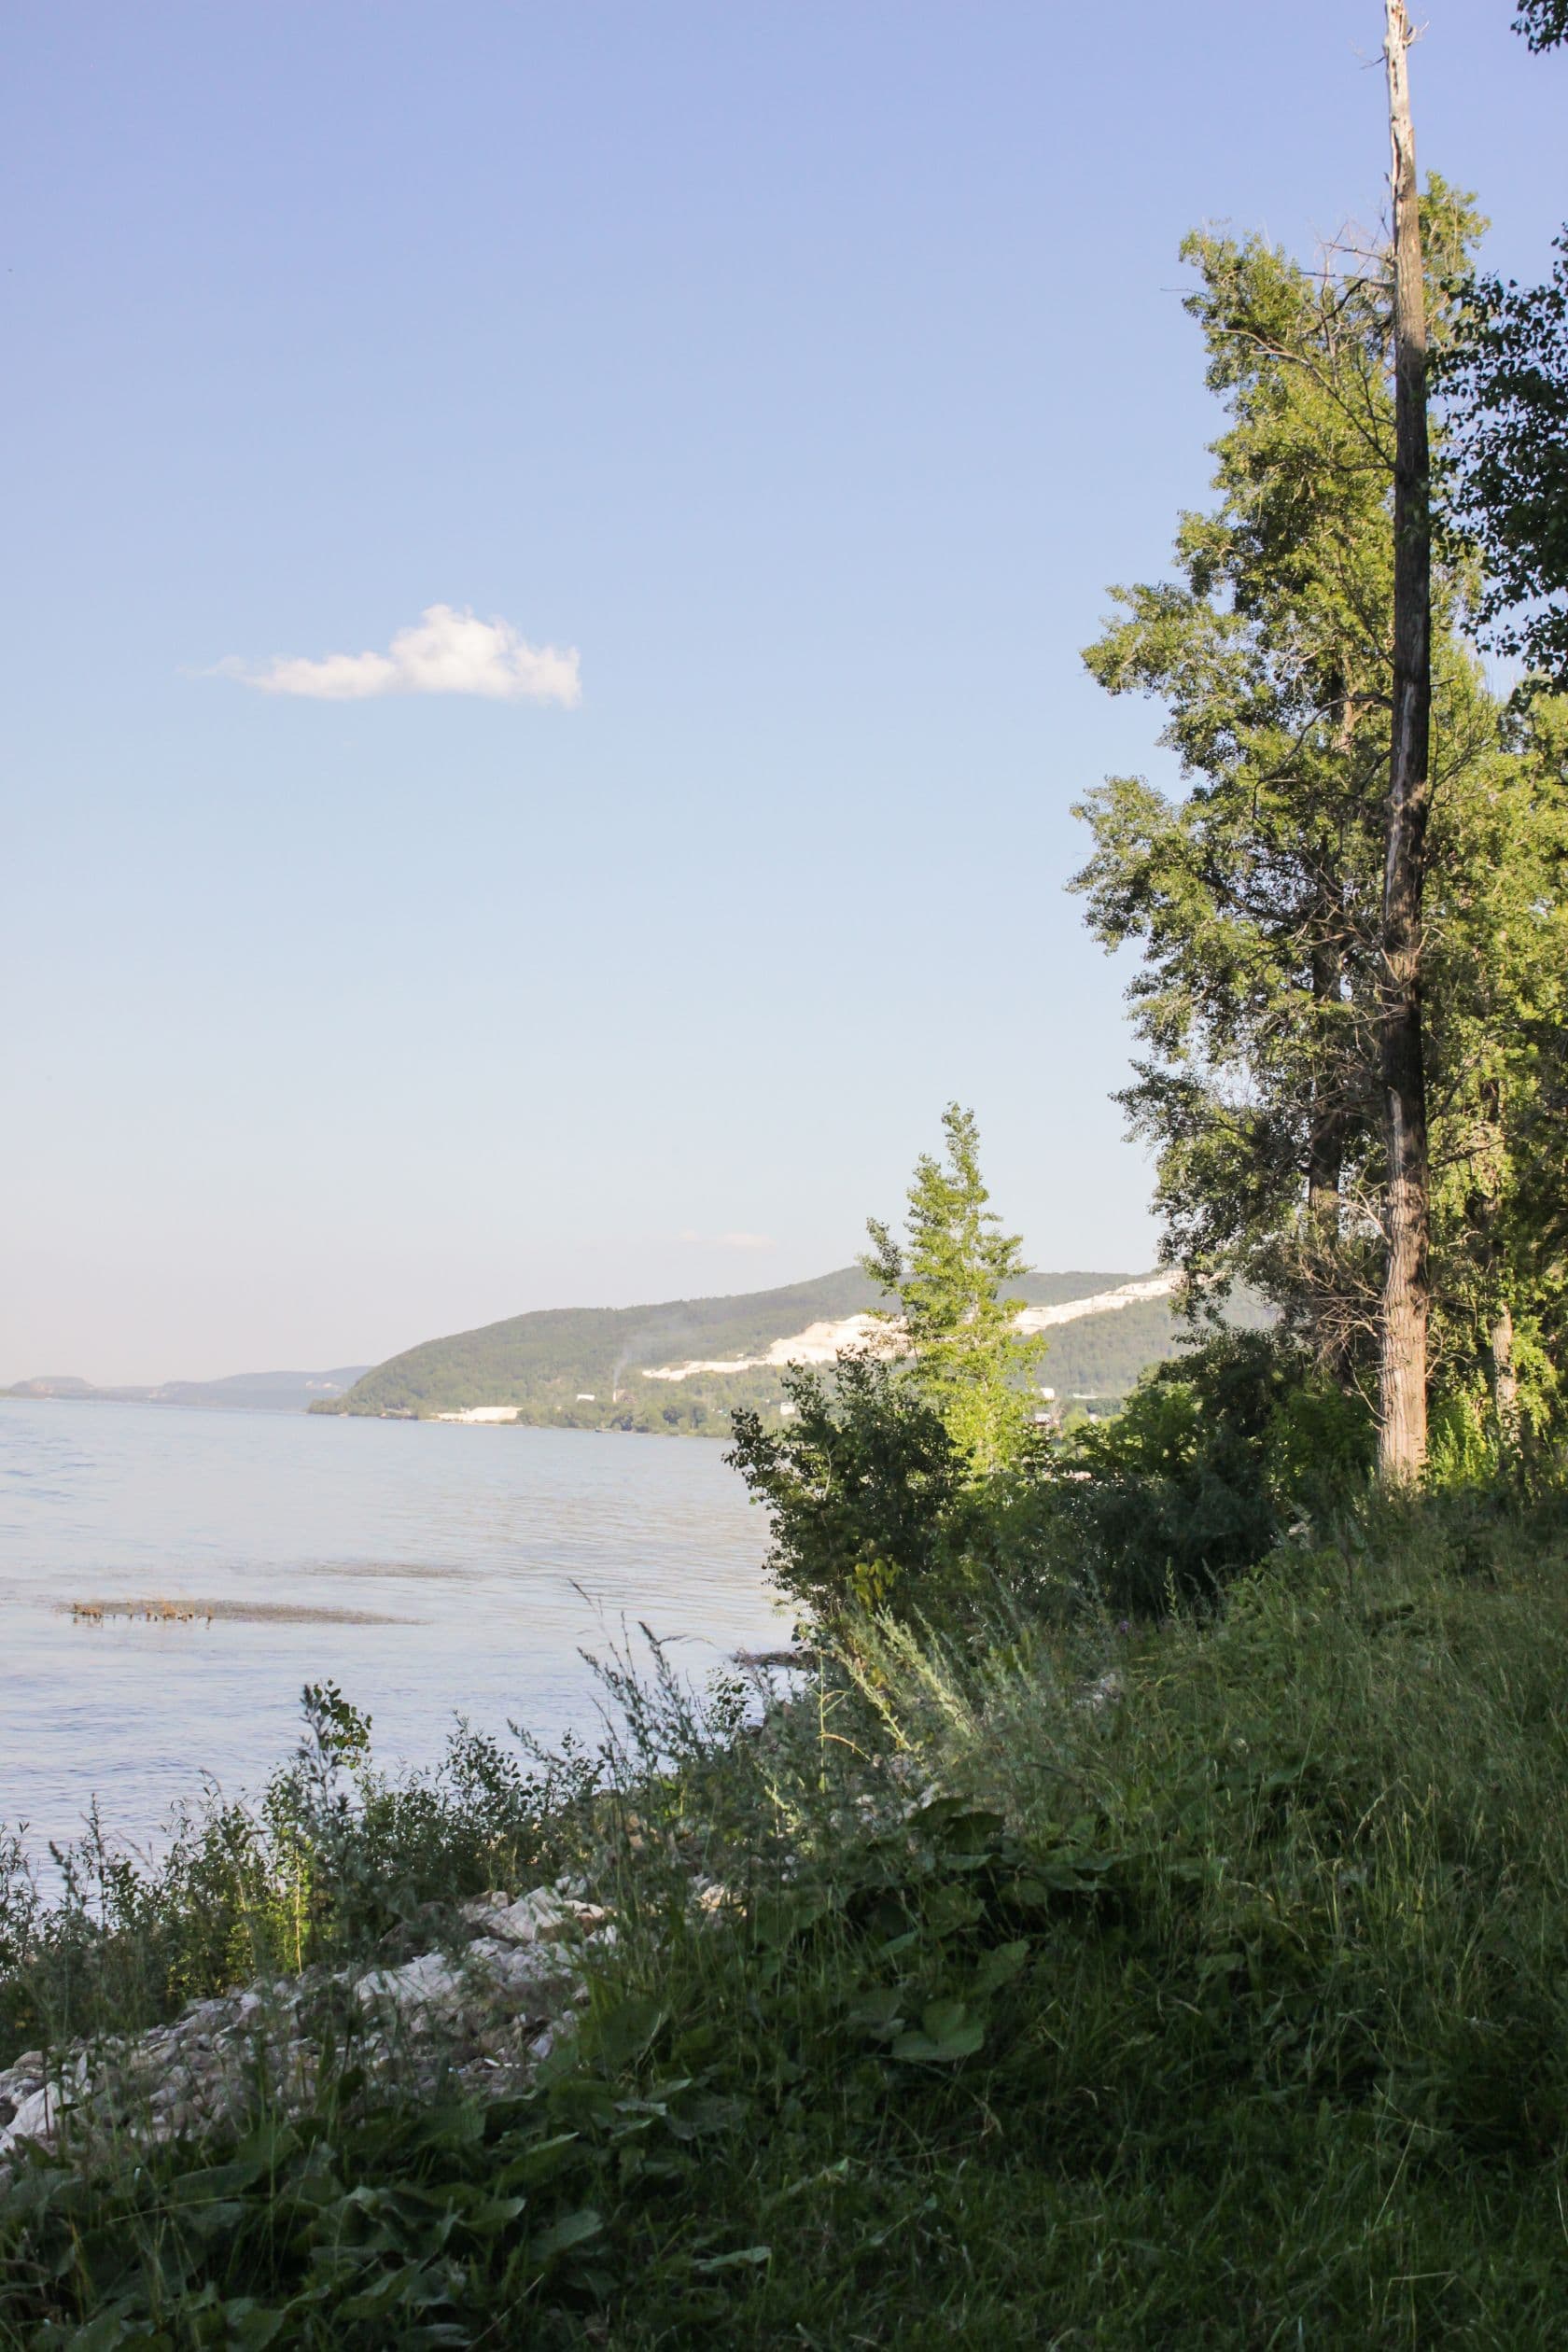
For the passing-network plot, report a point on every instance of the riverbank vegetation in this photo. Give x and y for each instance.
(1076, 1978)
(1140, 1917)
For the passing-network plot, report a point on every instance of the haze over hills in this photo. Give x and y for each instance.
(253, 1391)
(683, 1362)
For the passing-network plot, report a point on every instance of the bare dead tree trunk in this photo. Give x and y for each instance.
(1325, 1146)
(1505, 1379)
(1325, 1168)
(1402, 1363)
(1483, 1213)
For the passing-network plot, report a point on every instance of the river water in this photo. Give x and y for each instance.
(426, 1568)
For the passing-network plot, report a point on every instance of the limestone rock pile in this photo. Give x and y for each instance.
(483, 2014)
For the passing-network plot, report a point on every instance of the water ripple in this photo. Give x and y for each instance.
(524, 1545)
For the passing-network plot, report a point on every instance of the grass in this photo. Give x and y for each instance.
(1204, 1984)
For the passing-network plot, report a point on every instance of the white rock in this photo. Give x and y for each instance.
(429, 1984)
(479, 1911)
(712, 1895)
(1101, 1694)
(542, 1917)
(34, 2119)
(508, 1995)
(517, 1971)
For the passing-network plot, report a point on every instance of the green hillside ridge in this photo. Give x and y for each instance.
(582, 1366)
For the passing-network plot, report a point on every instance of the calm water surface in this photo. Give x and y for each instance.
(437, 1569)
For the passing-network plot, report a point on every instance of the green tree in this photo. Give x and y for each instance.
(1255, 895)
(1543, 23)
(1506, 379)
(950, 1275)
(901, 1476)
(1498, 981)
(1506, 386)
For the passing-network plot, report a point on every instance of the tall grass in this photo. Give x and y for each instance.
(333, 1860)
(1198, 1984)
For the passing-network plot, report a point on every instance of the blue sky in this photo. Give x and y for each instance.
(809, 370)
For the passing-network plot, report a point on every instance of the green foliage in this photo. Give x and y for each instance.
(1200, 1987)
(863, 1482)
(1543, 23)
(1256, 898)
(889, 1479)
(955, 1275)
(1506, 388)
(1461, 1447)
(1498, 976)
(1317, 1451)
(1215, 1456)
(350, 2229)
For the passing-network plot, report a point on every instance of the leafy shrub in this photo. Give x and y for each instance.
(1318, 1448)
(1216, 1454)
(1462, 1453)
(864, 1484)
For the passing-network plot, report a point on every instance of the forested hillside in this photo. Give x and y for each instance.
(587, 1367)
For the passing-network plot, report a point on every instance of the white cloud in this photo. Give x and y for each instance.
(444, 652)
(730, 1240)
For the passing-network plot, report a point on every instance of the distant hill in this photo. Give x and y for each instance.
(253, 1391)
(658, 1366)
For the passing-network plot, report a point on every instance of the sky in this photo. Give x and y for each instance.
(546, 556)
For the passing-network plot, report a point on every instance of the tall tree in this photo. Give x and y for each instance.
(1259, 896)
(1256, 895)
(950, 1275)
(1402, 1368)
(1496, 994)
(1507, 378)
